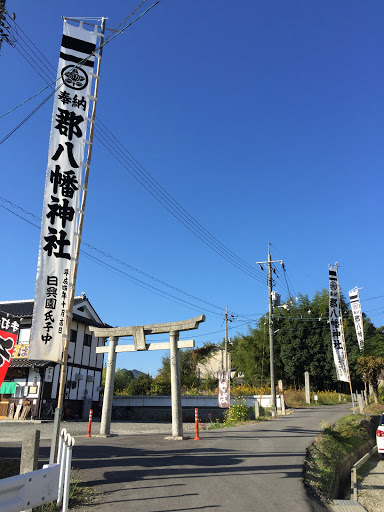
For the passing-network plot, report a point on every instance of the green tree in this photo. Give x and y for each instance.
(122, 378)
(370, 367)
(374, 339)
(302, 342)
(188, 361)
(160, 386)
(250, 354)
(141, 385)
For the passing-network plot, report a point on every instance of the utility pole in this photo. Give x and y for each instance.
(228, 318)
(270, 326)
(7, 32)
(2, 18)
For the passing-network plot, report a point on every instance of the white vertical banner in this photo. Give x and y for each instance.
(224, 389)
(357, 316)
(62, 193)
(337, 334)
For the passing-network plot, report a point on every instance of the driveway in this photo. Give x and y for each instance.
(251, 468)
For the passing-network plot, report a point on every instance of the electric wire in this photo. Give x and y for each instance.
(167, 201)
(198, 335)
(154, 192)
(137, 281)
(28, 116)
(120, 262)
(142, 284)
(142, 173)
(36, 67)
(19, 29)
(108, 40)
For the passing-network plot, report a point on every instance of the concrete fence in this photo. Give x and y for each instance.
(158, 408)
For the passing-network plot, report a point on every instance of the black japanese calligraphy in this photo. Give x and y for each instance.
(53, 242)
(62, 211)
(71, 158)
(68, 123)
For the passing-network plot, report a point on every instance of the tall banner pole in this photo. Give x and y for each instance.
(344, 344)
(357, 316)
(337, 330)
(61, 392)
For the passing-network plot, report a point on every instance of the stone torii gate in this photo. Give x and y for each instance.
(139, 332)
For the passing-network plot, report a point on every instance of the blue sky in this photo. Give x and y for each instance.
(262, 119)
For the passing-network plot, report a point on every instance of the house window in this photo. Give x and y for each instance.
(73, 336)
(87, 340)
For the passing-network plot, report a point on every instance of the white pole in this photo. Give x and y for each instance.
(61, 459)
(61, 440)
(67, 478)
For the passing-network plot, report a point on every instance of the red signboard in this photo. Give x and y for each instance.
(9, 328)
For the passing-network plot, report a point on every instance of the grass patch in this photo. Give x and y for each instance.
(375, 409)
(330, 449)
(78, 495)
(239, 414)
(296, 398)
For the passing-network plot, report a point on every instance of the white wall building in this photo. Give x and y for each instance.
(36, 383)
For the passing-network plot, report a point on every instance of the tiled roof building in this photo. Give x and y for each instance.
(36, 382)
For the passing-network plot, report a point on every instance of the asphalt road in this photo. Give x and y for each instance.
(251, 468)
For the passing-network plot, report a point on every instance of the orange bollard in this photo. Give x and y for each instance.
(90, 423)
(197, 438)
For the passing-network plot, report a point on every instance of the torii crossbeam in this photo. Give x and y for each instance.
(139, 332)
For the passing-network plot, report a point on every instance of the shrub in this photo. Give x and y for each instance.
(160, 386)
(329, 397)
(239, 411)
(294, 398)
(335, 442)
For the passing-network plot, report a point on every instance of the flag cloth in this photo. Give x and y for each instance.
(357, 316)
(62, 193)
(9, 329)
(224, 393)
(337, 335)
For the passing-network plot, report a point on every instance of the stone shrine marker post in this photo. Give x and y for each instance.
(139, 332)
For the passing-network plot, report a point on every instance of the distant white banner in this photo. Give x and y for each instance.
(62, 193)
(357, 316)
(224, 391)
(337, 334)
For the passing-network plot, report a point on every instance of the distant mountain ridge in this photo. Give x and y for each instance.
(135, 372)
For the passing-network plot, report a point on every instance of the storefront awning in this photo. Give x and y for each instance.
(8, 388)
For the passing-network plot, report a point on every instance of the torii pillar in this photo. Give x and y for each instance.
(139, 332)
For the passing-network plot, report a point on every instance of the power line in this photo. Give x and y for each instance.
(147, 286)
(186, 219)
(160, 194)
(108, 40)
(142, 173)
(202, 335)
(19, 29)
(163, 197)
(171, 200)
(120, 262)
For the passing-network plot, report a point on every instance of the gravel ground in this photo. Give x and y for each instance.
(11, 430)
(371, 488)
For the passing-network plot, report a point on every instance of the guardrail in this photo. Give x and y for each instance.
(29, 490)
(354, 469)
(23, 492)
